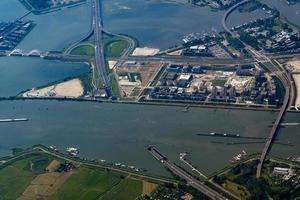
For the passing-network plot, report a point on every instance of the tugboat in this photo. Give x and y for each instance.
(72, 151)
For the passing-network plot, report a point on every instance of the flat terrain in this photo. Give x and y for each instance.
(45, 185)
(297, 83)
(16, 176)
(35, 176)
(146, 51)
(115, 46)
(295, 67)
(71, 88)
(84, 49)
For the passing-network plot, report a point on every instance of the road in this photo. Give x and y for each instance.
(227, 13)
(99, 48)
(182, 174)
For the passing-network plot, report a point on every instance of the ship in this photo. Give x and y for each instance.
(220, 134)
(14, 120)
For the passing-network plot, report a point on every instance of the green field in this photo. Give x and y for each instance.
(218, 82)
(115, 46)
(16, 176)
(127, 189)
(85, 183)
(84, 49)
(238, 190)
(115, 87)
(88, 184)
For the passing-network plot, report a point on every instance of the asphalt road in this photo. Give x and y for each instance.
(99, 49)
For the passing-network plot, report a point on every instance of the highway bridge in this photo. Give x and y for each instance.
(285, 78)
(212, 194)
(228, 12)
(282, 74)
(272, 135)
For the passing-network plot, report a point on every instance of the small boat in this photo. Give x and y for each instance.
(72, 151)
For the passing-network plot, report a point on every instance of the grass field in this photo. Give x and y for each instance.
(87, 184)
(27, 178)
(148, 188)
(15, 177)
(84, 49)
(238, 190)
(127, 189)
(218, 82)
(115, 87)
(114, 46)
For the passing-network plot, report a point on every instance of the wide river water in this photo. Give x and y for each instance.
(119, 132)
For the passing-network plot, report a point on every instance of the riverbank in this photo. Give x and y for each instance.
(70, 89)
(52, 174)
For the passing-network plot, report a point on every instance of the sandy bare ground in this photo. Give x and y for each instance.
(72, 88)
(111, 64)
(297, 83)
(146, 51)
(45, 185)
(146, 72)
(175, 53)
(295, 64)
(53, 166)
(148, 188)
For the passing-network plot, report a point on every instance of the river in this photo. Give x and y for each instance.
(120, 132)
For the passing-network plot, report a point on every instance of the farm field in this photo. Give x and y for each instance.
(39, 175)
